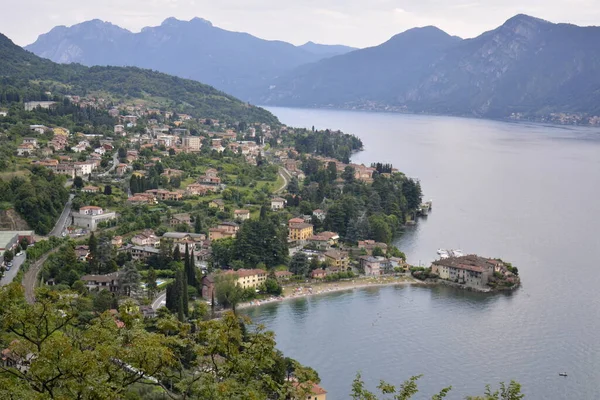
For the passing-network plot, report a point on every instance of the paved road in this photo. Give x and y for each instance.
(159, 301)
(113, 166)
(285, 174)
(63, 220)
(10, 275)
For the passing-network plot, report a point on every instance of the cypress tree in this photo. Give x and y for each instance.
(186, 263)
(192, 275)
(176, 254)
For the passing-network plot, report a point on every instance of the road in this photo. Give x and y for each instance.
(30, 279)
(10, 275)
(63, 220)
(115, 162)
(285, 174)
(159, 301)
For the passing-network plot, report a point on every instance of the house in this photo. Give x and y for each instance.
(100, 150)
(121, 169)
(108, 282)
(120, 130)
(242, 215)
(90, 189)
(163, 195)
(39, 129)
(90, 216)
(300, 232)
(31, 141)
(180, 219)
(283, 275)
(245, 278)
(142, 252)
(146, 239)
(375, 266)
(277, 203)
(318, 274)
(117, 241)
(217, 203)
(471, 270)
(84, 168)
(337, 259)
(311, 390)
(196, 189)
(142, 198)
(32, 105)
(224, 230)
(82, 252)
(25, 149)
(370, 245)
(192, 143)
(324, 240)
(320, 214)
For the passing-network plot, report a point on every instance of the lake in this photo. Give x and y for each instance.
(527, 193)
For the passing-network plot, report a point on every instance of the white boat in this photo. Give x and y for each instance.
(442, 251)
(456, 253)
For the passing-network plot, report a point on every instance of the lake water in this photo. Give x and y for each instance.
(524, 192)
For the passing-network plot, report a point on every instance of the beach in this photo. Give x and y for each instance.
(304, 289)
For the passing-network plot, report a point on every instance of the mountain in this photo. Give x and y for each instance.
(27, 76)
(326, 50)
(527, 66)
(373, 74)
(237, 63)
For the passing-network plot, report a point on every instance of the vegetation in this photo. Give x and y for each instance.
(28, 77)
(39, 199)
(324, 143)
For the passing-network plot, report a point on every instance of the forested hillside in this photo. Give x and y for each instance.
(24, 76)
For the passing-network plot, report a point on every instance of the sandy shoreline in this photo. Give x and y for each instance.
(299, 290)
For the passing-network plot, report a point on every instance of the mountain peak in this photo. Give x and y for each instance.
(172, 21)
(524, 19)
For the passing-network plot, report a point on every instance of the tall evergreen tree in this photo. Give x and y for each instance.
(176, 254)
(192, 276)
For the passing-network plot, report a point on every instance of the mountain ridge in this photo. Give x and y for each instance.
(235, 62)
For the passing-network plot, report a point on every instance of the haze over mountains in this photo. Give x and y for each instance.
(237, 63)
(527, 66)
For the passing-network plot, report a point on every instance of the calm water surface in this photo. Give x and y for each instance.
(524, 192)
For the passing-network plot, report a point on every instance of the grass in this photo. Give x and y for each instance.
(8, 175)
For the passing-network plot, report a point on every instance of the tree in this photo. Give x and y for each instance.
(176, 254)
(198, 224)
(299, 264)
(332, 171)
(107, 190)
(122, 153)
(8, 255)
(293, 186)
(151, 285)
(78, 182)
(228, 293)
(348, 174)
(190, 267)
(103, 301)
(129, 279)
(378, 252)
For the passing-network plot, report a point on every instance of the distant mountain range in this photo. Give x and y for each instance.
(26, 77)
(526, 68)
(237, 63)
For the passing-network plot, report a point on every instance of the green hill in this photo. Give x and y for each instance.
(25, 76)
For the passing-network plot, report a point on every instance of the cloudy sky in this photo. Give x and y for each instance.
(357, 23)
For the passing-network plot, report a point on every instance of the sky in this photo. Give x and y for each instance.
(358, 23)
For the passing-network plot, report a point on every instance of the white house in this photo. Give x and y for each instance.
(90, 216)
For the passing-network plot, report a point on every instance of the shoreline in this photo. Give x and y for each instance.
(310, 289)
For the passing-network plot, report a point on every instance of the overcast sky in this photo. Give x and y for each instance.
(357, 23)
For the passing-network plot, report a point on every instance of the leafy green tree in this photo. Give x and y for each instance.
(378, 252)
(151, 285)
(228, 293)
(348, 174)
(103, 301)
(299, 265)
(8, 255)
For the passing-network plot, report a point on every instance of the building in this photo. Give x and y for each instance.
(311, 390)
(10, 239)
(300, 232)
(180, 219)
(337, 259)
(89, 217)
(32, 105)
(224, 230)
(245, 278)
(90, 189)
(120, 130)
(192, 143)
(318, 274)
(25, 150)
(39, 129)
(117, 241)
(471, 270)
(142, 252)
(217, 203)
(324, 240)
(375, 266)
(146, 239)
(161, 194)
(370, 245)
(282, 276)
(320, 214)
(277, 203)
(242, 215)
(108, 282)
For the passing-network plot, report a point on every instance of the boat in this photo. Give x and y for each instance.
(457, 253)
(562, 374)
(442, 251)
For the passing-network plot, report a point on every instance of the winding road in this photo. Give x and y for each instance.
(287, 176)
